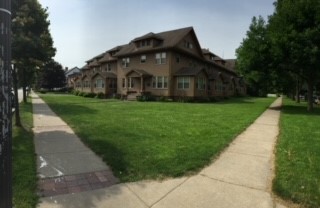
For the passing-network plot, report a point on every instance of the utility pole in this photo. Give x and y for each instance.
(5, 106)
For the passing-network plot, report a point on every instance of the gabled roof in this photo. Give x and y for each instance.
(95, 58)
(105, 75)
(169, 39)
(107, 58)
(72, 71)
(188, 71)
(94, 63)
(150, 35)
(140, 72)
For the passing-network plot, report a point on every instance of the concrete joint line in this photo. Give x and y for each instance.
(169, 192)
(234, 184)
(266, 124)
(136, 195)
(241, 153)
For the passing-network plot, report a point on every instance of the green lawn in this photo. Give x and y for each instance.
(24, 162)
(155, 139)
(298, 155)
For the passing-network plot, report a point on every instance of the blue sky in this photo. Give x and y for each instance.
(82, 29)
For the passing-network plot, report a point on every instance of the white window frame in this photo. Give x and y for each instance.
(108, 67)
(143, 59)
(99, 83)
(183, 83)
(160, 82)
(125, 62)
(161, 58)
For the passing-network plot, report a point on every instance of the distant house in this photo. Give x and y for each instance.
(167, 64)
(71, 75)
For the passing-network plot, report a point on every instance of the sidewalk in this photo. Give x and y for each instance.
(239, 178)
(64, 164)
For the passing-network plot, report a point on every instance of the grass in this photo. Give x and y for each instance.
(24, 161)
(155, 140)
(298, 155)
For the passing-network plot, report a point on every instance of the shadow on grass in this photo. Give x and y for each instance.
(300, 110)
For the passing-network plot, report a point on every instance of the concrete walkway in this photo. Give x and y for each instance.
(64, 164)
(239, 178)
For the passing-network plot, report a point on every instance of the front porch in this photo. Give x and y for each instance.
(135, 83)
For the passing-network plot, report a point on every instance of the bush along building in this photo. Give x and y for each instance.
(165, 65)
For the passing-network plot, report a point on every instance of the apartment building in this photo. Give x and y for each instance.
(167, 64)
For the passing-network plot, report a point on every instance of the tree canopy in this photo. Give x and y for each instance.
(32, 44)
(285, 49)
(52, 76)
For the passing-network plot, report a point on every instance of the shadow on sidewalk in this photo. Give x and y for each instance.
(61, 109)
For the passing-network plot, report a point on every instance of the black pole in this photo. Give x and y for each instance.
(5, 106)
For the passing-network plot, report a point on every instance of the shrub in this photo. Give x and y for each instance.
(100, 95)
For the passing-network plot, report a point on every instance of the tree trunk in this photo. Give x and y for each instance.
(16, 99)
(298, 90)
(310, 95)
(24, 92)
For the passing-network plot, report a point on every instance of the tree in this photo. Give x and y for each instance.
(253, 59)
(52, 76)
(295, 33)
(32, 44)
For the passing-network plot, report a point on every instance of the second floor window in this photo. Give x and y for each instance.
(108, 67)
(125, 62)
(143, 59)
(161, 58)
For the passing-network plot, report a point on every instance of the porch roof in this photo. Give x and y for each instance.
(105, 75)
(138, 73)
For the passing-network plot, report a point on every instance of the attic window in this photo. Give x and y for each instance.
(144, 43)
(187, 44)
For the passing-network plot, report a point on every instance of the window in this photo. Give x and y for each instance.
(187, 44)
(108, 67)
(201, 84)
(143, 59)
(183, 82)
(161, 58)
(144, 43)
(86, 84)
(125, 62)
(160, 82)
(178, 58)
(99, 83)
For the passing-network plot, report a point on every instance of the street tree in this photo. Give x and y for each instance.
(52, 76)
(32, 44)
(295, 34)
(253, 59)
